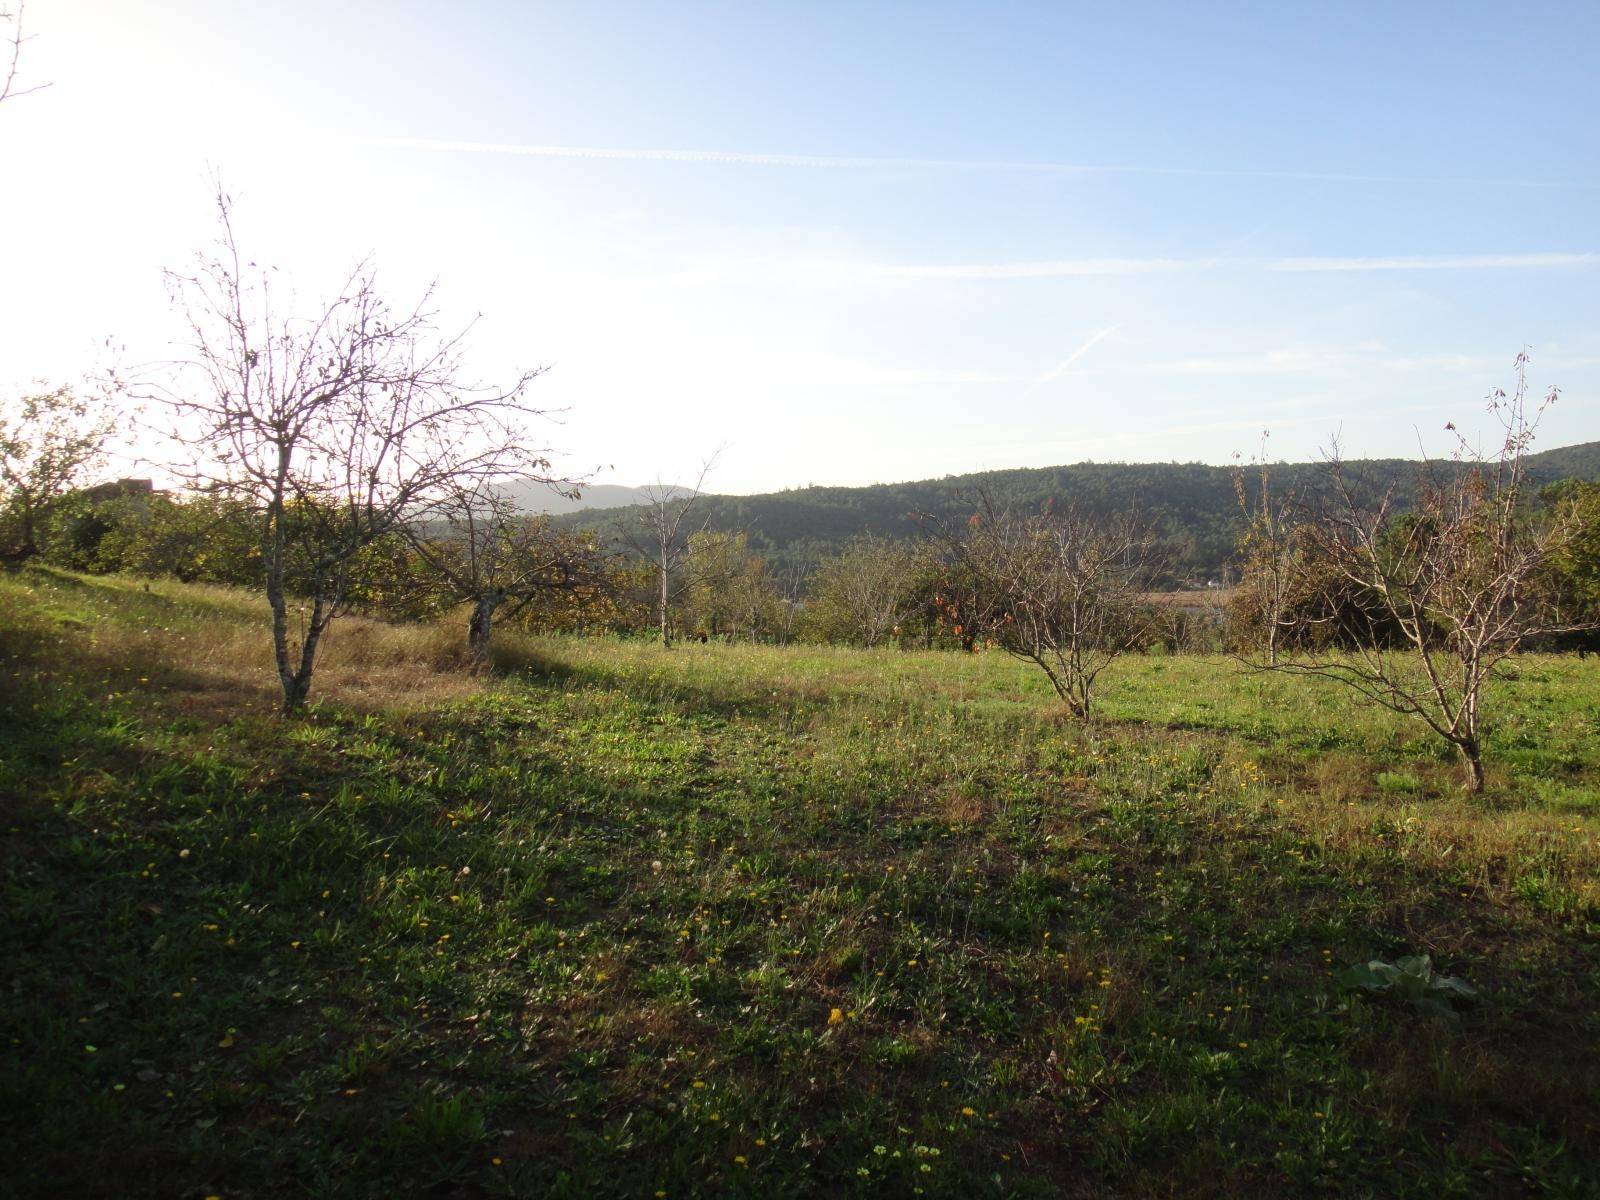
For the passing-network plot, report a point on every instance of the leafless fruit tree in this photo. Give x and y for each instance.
(1448, 589)
(663, 538)
(335, 427)
(496, 557)
(1267, 548)
(1059, 589)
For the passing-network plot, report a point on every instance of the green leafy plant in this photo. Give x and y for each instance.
(1412, 979)
(443, 1123)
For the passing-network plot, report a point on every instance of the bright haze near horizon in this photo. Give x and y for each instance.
(854, 243)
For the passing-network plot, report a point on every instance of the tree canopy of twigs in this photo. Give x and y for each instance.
(47, 441)
(1438, 596)
(335, 425)
(1059, 589)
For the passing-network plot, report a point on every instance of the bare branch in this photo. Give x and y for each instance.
(12, 39)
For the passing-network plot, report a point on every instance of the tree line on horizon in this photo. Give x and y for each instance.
(1191, 507)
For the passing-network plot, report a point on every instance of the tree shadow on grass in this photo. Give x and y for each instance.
(273, 1104)
(259, 851)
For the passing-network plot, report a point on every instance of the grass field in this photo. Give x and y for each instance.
(768, 922)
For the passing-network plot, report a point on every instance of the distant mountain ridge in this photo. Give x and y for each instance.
(1193, 505)
(534, 497)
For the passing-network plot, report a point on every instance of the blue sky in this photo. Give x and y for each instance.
(859, 242)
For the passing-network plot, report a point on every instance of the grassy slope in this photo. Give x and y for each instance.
(583, 931)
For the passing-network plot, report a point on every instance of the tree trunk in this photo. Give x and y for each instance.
(1080, 699)
(298, 686)
(27, 543)
(1471, 748)
(666, 632)
(272, 558)
(280, 641)
(295, 678)
(479, 626)
(1472, 755)
(295, 690)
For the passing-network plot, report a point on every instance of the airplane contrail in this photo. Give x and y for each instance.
(1062, 367)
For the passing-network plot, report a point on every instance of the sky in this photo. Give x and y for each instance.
(848, 243)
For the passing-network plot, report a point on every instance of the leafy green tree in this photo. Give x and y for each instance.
(731, 592)
(862, 595)
(1575, 570)
(619, 598)
(48, 441)
(193, 538)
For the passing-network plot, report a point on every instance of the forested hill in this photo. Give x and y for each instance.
(1195, 506)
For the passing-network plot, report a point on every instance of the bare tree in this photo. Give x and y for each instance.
(1059, 589)
(12, 39)
(334, 427)
(490, 554)
(1433, 600)
(663, 538)
(47, 441)
(1267, 547)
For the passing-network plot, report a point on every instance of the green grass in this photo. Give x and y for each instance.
(769, 922)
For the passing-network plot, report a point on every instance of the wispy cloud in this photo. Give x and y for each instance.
(1289, 361)
(1054, 269)
(848, 162)
(1326, 360)
(1419, 262)
(1080, 267)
